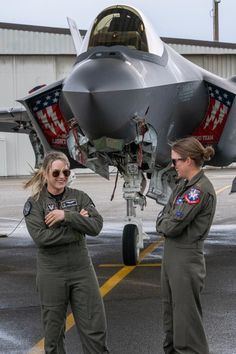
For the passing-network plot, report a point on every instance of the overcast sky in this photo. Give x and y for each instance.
(171, 18)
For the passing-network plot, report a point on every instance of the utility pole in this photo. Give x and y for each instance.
(216, 20)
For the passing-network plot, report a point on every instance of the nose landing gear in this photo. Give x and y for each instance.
(133, 235)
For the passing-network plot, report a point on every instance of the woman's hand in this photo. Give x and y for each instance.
(84, 212)
(54, 216)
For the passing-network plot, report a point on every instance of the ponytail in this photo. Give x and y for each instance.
(36, 182)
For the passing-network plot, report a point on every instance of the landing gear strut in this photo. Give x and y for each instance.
(133, 234)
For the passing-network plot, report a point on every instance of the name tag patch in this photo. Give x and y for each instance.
(69, 203)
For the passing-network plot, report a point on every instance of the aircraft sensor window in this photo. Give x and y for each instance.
(118, 26)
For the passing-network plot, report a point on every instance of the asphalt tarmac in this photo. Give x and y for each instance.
(132, 295)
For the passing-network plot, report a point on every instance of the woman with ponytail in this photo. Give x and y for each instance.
(58, 218)
(185, 222)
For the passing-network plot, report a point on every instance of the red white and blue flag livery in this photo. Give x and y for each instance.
(46, 110)
(219, 105)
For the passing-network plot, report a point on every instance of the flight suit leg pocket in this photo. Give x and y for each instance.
(52, 290)
(86, 301)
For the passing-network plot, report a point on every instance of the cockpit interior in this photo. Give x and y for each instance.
(119, 26)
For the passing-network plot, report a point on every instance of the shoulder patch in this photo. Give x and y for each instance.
(27, 208)
(193, 196)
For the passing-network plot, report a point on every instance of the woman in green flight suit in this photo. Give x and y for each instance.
(57, 218)
(185, 222)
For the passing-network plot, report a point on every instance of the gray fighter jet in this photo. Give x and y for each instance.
(127, 97)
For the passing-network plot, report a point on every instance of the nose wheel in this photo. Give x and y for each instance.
(130, 245)
(133, 235)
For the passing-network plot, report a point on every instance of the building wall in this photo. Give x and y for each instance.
(16, 155)
(222, 65)
(19, 74)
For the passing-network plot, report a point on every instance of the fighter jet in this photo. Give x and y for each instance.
(127, 97)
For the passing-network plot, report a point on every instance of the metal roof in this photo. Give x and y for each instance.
(192, 46)
(18, 39)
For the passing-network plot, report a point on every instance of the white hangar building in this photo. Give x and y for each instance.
(36, 55)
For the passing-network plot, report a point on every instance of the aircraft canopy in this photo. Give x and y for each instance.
(119, 26)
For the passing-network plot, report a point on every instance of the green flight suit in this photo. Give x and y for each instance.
(65, 274)
(185, 222)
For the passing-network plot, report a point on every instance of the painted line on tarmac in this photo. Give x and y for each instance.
(9, 219)
(222, 189)
(122, 265)
(125, 270)
(104, 289)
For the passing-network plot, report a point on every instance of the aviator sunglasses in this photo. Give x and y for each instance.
(174, 161)
(56, 173)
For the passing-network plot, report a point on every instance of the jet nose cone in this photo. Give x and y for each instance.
(105, 71)
(104, 95)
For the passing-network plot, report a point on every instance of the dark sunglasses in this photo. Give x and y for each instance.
(56, 173)
(174, 161)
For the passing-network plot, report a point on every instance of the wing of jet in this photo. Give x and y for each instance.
(126, 98)
(14, 120)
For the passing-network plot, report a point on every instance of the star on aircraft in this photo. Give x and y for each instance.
(126, 98)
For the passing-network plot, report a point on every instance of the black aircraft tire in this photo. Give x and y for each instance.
(129, 244)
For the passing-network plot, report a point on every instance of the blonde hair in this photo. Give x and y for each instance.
(38, 180)
(191, 147)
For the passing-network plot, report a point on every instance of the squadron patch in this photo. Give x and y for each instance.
(51, 206)
(27, 208)
(179, 201)
(179, 214)
(193, 196)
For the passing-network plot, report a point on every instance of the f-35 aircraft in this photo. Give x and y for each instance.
(127, 97)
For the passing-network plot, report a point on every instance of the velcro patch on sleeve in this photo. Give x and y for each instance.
(27, 208)
(179, 200)
(193, 196)
(179, 214)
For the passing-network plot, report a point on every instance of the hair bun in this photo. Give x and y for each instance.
(209, 152)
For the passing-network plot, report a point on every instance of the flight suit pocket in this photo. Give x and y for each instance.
(86, 297)
(52, 290)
